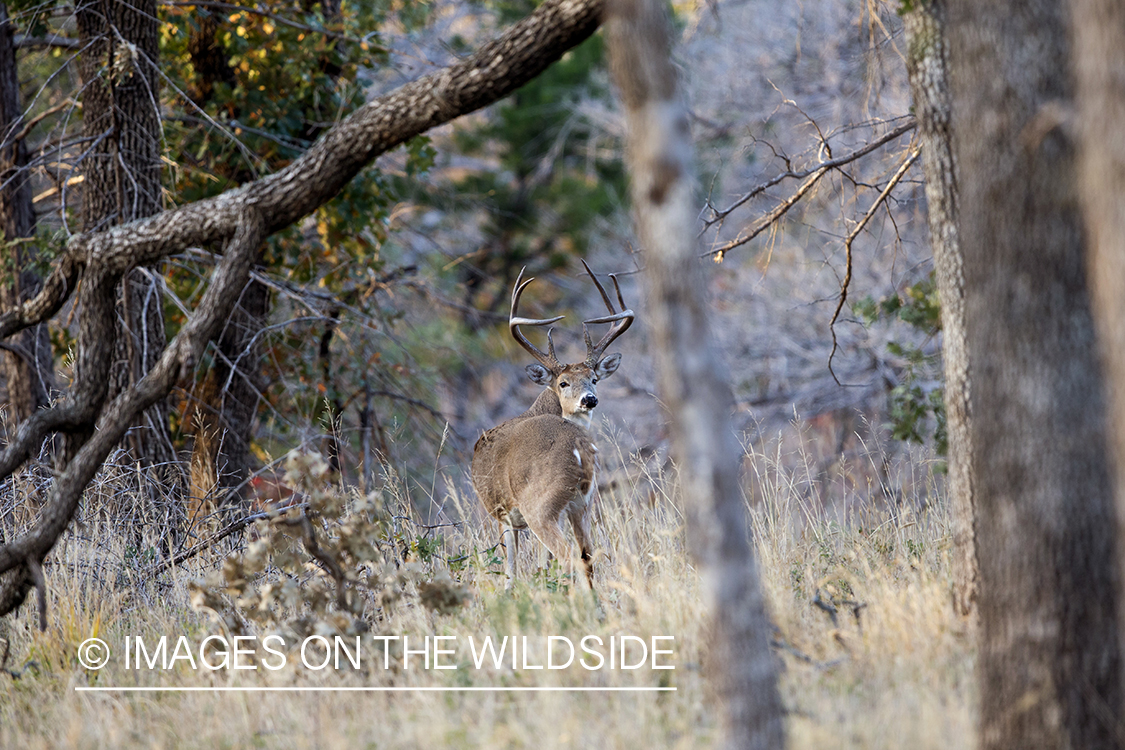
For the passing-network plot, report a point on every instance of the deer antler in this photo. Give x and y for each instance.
(621, 320)
(548, 360)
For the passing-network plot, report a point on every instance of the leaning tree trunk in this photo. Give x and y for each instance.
(927, 65)
(1049, 664)
(27, 367)
(689, 374)
(1099, 57)
(121, 183)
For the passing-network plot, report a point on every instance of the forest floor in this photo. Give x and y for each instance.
(891, 666)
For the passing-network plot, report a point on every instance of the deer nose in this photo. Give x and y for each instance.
(589, 401)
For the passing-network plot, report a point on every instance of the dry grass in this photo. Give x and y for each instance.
(898, 675)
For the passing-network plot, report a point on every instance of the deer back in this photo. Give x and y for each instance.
(530, 458)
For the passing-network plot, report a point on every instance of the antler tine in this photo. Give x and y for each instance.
(621, 320)
(547, 359)
(601, 289)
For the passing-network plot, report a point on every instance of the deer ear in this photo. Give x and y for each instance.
(539, 374)
(607, 366)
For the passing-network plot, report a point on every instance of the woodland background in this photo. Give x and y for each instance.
(383, 307)
(368, 351)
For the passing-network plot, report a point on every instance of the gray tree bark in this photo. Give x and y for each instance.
(28, 366)
(1099, 58)
(1049, 663)
(690, 378)
(927, 65)
(121, 183)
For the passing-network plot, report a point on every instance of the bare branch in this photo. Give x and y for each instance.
(234, 527)
(30, 124)
(28, 42)
(813, 176)
(898, 175)
(176, 361)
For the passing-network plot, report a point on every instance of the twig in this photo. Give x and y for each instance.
(782, 645)
(831, 163)
(429, 527)
(898, 175)
(826, 606)
(294, 144)
(160, 567)
(829, 606)
(412, 401)
(27, 128)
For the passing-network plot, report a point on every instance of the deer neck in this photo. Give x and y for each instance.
(582, 419)
(546, 403)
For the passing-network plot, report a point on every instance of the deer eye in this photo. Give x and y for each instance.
(564, 384)
(593, 381)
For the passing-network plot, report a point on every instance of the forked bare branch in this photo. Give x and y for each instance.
(903, 168)
(810, 176)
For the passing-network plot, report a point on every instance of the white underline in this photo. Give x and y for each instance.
(221, 689)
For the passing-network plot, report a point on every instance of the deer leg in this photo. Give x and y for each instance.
(551, 535)
(581, 533)
(511, 538)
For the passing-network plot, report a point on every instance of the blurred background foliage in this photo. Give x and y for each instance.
(243, 92)
(379, 319)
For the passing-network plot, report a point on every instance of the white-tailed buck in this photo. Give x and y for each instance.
(536, 471)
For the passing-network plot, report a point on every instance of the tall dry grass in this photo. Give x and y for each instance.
(891, 666)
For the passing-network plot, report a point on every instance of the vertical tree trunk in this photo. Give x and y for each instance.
(28, 371)
(121, 182)
(698, 398)
(239, 372)
(226, 399)
(927, 65)
(1099, 57)
(1049, 663)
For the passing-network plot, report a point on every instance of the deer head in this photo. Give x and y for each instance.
(575, 385)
